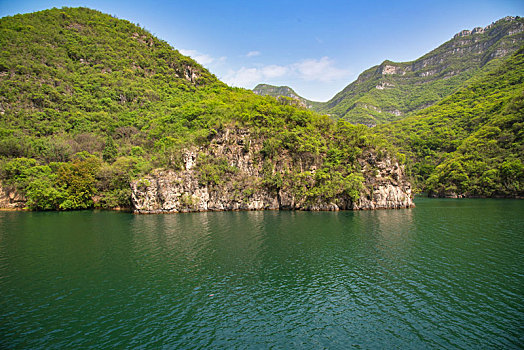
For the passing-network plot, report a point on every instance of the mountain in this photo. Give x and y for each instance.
(470, 144)
(97, 112)
(283, 91)
(393, 90)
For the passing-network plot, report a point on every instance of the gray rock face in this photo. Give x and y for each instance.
(171, 191)
(388, 189)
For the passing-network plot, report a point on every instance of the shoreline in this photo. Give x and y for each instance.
(161, 212)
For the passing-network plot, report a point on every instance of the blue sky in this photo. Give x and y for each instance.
(316, 47)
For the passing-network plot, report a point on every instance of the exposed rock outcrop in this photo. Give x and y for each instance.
(245, 187)
(10, 198)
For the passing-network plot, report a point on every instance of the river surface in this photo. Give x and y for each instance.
(446, 274)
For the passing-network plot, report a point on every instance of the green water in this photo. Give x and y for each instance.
(446, 274)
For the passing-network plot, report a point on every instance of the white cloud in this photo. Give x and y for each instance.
(243, 77)
(247, 76)
(274, 71)
(321, 70)
(201, 58)
(253, 53)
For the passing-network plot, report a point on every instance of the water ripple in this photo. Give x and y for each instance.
(447, 274)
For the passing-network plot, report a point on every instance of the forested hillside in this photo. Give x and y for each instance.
(471, 143)
(90, 103)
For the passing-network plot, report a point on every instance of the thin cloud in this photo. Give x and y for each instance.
(274, 71)
(321, 70)
(248, 76)
(243, 77)
(253, 53)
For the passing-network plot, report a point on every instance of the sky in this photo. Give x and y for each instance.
(315, 47)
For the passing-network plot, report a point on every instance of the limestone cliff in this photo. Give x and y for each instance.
(247, 181)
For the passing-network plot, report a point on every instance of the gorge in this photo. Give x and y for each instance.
(116, 118)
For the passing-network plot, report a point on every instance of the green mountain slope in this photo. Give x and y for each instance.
(392, 90)
(77, 70)
(90, 103)
(472, 142)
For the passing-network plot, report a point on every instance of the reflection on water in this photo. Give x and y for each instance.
(447, 274)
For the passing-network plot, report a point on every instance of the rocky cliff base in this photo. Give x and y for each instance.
(248, 181)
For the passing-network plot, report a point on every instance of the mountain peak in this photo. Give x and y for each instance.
(282, 91)
(82, 37)
(516, 26)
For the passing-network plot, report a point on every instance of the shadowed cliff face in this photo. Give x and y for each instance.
(242, 178)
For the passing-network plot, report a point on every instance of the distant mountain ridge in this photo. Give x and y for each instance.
(393, 90)
(286, 91)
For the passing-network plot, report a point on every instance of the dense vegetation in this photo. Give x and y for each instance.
(89, 102)
(393, 90)
(472, 142)
(469, 143)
